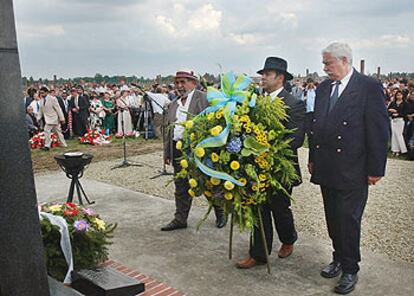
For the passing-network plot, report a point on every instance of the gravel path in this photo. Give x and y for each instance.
(388, 220)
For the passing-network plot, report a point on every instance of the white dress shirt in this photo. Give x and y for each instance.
(275, 93)
(344, 83)
(181, 116)
(36, 108)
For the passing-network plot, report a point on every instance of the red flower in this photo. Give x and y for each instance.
(71, 205)
(71, 213)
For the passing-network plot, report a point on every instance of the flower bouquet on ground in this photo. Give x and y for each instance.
(89, 237)
(128, 134)
(237, 151)
(95, 137)
(38, 141)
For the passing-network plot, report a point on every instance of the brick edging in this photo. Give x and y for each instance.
(152, 286)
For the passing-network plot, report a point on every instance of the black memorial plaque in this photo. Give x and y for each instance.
(105, 282)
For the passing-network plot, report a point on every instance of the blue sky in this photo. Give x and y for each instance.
(150, 37)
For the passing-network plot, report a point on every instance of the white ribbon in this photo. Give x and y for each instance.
(64, 241)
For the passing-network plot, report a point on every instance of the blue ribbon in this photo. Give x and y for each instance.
(232, 93)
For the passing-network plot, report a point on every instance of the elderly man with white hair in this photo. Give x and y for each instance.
(348, 152)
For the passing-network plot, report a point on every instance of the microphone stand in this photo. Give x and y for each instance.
(125, 163)
(163, 172)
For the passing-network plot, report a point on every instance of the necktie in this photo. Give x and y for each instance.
(334, 96)
(183, 100)
(38, 106)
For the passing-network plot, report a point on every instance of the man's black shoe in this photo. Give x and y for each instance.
(346, 283)
(45, 148)
(221, 220)
(332, 270)
(173, 225)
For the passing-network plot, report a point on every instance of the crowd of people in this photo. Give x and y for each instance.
(120, 108)
(399, 99)
(115, 109)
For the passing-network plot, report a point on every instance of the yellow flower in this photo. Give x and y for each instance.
(245, 118)
(236, 117)
(254, 187)
(215, 131)
(235, 165)
(189, 124)
(210, 116)
(193, 183)
(191, 192)
(228, 185)
(219, 115)
(248, 130)
(184, 163)
(228, 195)
(262, 185)
(243, 180)
(99, 223)
(215, 157)
(215, 181)
(262, 177)
(55, 208)
(200, 152)
(192, 136)
(208, 194)
(179, 145)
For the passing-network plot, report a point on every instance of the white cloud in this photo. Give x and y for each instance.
(244, 39)
(205, 18)
(40, 31)
(165, 24)
(384, 41)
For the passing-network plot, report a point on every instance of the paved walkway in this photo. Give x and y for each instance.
(196, 263)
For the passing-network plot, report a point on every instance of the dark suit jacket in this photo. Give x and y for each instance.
(83, 104)
(62, 106)
(296, 111)
(350, 142)
(198, 103)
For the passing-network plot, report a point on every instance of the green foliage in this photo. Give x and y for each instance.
(259, 156)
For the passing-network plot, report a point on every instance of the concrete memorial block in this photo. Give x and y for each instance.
(105, 282)
(22, 261)
(58, 289)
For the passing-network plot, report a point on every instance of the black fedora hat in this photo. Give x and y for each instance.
(276, 64)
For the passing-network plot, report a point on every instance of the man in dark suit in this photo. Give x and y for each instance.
(191, 101)
(350, 132)
(274, 77)
(79, 105)
(64, 105)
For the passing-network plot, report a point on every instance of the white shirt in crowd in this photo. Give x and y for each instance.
(182, 116)
(310, 99)
(344, 83)
(133, 102)
(161, 99)
(36, 108)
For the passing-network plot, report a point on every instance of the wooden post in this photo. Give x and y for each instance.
(362, 68)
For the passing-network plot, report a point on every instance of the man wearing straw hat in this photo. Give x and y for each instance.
(189, 100)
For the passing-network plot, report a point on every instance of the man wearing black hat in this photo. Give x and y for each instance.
(274, 76)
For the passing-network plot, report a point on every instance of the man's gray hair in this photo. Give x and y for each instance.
(339, 50)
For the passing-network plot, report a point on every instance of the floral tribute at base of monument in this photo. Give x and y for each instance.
(74, 238)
